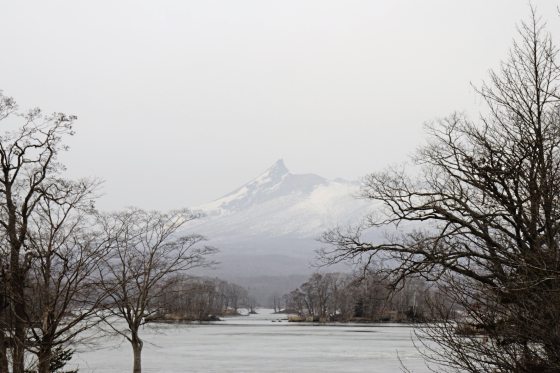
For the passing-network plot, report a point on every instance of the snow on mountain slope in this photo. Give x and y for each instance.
(279, 214)
(275, 182)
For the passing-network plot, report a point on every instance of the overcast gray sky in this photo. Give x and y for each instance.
(180, 102)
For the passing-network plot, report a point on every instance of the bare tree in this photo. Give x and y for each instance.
(29, 146)
(66, 253)
(276, 302)
(317, 295)
(483, 214)
(363, 296)
(190, 298)
(147, 251)
(236, 296)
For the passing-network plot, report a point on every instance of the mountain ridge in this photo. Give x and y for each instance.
(273, 182)
(277, 214)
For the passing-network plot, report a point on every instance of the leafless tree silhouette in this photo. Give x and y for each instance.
(29, 145)
(483, 215)
(63, 295)
(147, 251)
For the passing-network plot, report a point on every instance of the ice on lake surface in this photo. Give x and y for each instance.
(260, 343)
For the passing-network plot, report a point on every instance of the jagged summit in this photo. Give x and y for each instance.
(278, 168)
(274, 173)
(275, 182)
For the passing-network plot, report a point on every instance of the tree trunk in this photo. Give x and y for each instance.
(3, 351)
(19, 339)
(44, 356)
(16, 292)
(137, 351)
(18, 348)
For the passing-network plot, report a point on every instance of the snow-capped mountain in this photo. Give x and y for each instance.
(271, 224)
(275, 182)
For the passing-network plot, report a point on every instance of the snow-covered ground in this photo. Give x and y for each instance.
(260, 343)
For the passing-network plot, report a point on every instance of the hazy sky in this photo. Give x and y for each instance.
(180, 102)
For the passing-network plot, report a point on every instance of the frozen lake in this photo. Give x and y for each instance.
(260, 343)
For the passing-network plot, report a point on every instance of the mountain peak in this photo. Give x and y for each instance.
(278, 168)
(279, 163)
(275, 182)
